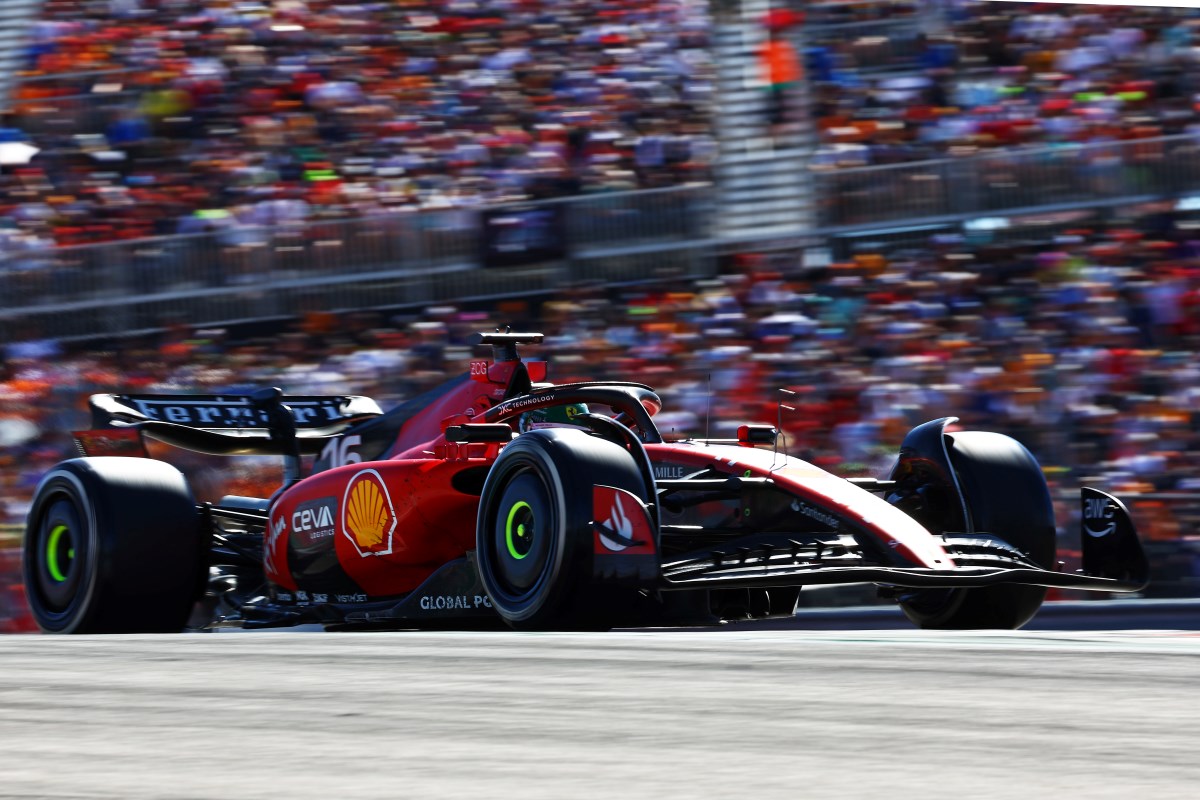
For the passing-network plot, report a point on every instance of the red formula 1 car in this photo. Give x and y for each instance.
(471, 504)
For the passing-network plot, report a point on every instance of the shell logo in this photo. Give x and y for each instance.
(368, 517)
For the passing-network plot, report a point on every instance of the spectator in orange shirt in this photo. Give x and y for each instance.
(781, 70)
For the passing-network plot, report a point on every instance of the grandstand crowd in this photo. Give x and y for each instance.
(234, 111)
(216, 112)
(1084, 346)
(1009, 75)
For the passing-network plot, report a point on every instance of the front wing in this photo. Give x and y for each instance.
(766, 572)
(1113, 560)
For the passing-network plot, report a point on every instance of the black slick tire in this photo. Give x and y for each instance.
(1005, 493)
(113, 545)
(534, 535)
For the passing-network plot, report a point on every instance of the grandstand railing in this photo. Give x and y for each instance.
(987, 183)
(411, 258)
(240, 272)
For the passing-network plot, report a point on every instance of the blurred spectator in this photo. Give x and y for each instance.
(1002, 77)
(781, 70)
(353, 108)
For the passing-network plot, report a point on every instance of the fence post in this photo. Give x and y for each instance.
(126, 287)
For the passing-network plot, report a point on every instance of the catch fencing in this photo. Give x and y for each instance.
(234, 271)
(1064, 175)
(237, 272)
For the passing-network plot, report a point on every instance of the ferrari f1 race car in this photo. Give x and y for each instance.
(500, 497)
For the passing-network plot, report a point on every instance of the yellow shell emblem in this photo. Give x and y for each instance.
(368, 515)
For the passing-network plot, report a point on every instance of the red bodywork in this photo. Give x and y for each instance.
(397, 520)
(380, 528)
(823, 490)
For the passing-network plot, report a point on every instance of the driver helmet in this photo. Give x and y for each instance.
(553, 417)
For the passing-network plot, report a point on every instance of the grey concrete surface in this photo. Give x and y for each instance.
(1077, 615)
(648, 714)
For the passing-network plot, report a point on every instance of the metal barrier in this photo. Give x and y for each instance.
(244, 272)
(988, 183)
(407, 259)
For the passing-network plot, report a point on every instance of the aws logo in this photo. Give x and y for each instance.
(1099, 517)
(368, 516)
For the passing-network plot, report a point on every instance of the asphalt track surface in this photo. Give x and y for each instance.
(727, 713)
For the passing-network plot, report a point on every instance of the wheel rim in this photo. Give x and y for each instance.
(518, 530)
(59, 547)
(58, 555)
(522, 540)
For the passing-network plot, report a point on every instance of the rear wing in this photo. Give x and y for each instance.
(265, 422)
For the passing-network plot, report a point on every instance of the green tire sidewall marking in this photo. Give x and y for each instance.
(508, 529)
(52, 553)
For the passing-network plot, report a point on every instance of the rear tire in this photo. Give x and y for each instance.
(1006, 494)
(534, 535)
(113, 545)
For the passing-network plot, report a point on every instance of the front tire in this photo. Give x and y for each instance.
(1006, 494)
(113, 545)
(534, 535)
